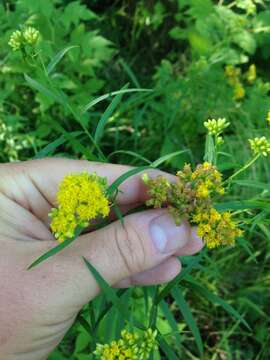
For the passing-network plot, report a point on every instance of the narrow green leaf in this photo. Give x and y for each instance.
(216, 299)
(172, 322)
(243, 205)
(107, 114)
(131, 153)
(49, 149)
(187, 315)
(166, 348)
(43, 89)
(58, 57)
(164, 158)
(108, 95)
(253, 184)
(130, 73)
(114, 186)
(109, 292)
(210, 152)
(55, 249)
(172, 284)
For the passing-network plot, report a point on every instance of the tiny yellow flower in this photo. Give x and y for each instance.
(216, 127)
(239, 91)
(16, 40)
(251, 73)
(131, 346)
(81, 198)
(260, 146)
(268, 117)
(31, 35)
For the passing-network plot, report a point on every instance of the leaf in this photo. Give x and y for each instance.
(106, 96)
(130, 73)
(171, 320)
(166, 348)
(187, 315)
(210, 152)
(131, 153)
(243, 205)
(49, 149)
(107, 114)
(216, 299)
(107, 290)
(114, 186)
(43, 89)
(167, 289)
(164, 158)
(55, 249)
(58, 57)
(253, 184)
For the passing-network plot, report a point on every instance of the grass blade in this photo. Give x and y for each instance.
(49, 149)
(131, 153)
(109, 292)
(107, 114)
(166, 348)
(187, 315)
(58, 57)
(172, 322)
(43, 89)
(114, 186)
(164, 158)
(108, 95)
(216, 299)
(55, 250)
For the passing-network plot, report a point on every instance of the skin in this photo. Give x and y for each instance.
(37, 307)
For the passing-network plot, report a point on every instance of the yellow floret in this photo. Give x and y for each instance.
(81, 198)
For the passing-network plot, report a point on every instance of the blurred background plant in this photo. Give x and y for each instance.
(202, 59)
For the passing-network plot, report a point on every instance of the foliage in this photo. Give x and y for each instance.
(197, 56)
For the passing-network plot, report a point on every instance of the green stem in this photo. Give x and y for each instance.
(248, 164)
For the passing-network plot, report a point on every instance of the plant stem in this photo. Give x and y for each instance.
(248, 164)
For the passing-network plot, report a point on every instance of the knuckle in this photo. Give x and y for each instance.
(131, 247)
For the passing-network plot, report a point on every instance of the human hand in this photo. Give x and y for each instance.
(38, 306)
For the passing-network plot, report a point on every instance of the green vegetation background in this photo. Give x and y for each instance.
(178, 48)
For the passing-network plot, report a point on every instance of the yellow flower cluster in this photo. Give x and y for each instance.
(81, 198)
(268, 117)
(260, 146)
(28, 36)
(233, 75)
(131, 346)
(191, 197)
(216, 229)
(216, 127)
(251, 73)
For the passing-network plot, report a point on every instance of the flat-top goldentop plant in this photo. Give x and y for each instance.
(81, 198)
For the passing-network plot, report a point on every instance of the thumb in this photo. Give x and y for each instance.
(120, 251)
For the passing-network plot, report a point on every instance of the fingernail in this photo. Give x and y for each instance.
(168, 237)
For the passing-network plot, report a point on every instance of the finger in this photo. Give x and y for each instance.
(193, 246)
(34, 184)
(146, 240)
(162, 273)
(47, 174)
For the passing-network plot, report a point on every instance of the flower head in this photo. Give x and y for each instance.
(31, 35)
(251, 73)
(131, 346)
(268, 117)
(81, 198)
(239, 91)
(216, 127)
(16, 40)
(260, 146)
(217, 228)
(28, 36)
